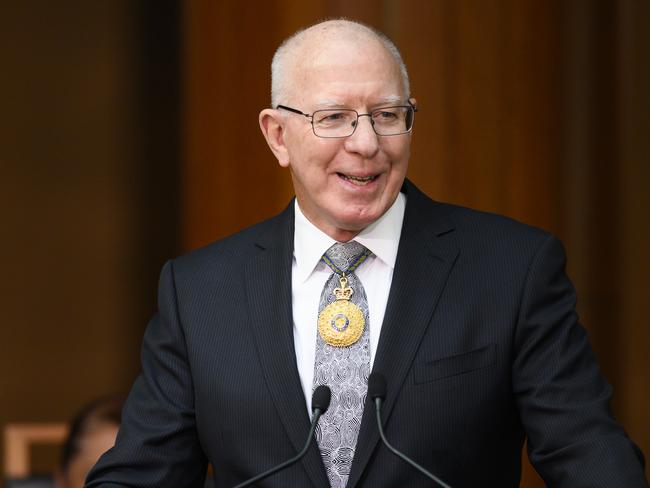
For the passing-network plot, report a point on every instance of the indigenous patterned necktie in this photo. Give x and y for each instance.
(344, 369)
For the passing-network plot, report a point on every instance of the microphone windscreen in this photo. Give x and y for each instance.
(376, 386)
(321, 398)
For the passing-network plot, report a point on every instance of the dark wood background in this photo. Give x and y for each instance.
(129, 134)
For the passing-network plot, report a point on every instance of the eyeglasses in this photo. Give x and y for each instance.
(342, 122)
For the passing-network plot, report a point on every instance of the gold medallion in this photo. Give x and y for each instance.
(341, 323)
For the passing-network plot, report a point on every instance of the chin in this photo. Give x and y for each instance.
(357, 224)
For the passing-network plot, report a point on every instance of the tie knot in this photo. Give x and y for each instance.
(346, 255)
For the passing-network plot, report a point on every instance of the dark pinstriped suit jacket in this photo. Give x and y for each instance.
(480, 345)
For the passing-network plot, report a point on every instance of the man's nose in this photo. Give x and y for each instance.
(364, 140)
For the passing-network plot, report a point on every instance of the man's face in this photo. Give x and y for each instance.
(344, 184)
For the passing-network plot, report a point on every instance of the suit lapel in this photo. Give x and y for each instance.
(425, 258)
(268, 287)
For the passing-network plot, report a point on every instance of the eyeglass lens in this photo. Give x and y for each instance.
(385, 121)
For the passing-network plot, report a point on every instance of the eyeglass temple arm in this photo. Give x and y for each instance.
(284, 107)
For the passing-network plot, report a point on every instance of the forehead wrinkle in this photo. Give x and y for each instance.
(382, 101)
(319, 45)
(339, 95)
(329, 102)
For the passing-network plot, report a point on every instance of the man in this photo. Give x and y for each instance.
(468, 316)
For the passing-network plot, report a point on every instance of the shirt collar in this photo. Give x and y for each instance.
(381, 237)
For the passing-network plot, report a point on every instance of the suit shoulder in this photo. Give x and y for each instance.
(231, 251)
(466, 222)
(491, 233)
(505, 239)
(471, 220)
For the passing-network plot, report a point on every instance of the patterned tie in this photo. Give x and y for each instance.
(344, 369)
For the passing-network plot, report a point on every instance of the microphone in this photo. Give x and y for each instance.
(320, 402)
(377, 391)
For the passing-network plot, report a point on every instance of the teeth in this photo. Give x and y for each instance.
(358, 180)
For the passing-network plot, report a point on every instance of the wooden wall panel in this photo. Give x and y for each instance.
(606, 158)
(633, 117)
(480, 73)
(67, 231)
(228, 172)
(88, 154)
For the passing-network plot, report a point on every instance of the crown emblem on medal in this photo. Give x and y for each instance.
(344, 292)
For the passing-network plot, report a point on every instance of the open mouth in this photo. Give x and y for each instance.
(358, 180)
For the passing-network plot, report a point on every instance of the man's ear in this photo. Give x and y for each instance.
(272, 125)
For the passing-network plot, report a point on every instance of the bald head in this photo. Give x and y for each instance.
(321, 40)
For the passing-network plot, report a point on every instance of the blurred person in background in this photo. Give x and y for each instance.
(92, 433)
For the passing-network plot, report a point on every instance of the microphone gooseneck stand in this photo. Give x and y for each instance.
(377, 391)
(320, 403)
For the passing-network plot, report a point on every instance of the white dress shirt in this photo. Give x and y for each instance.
(309, 274)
